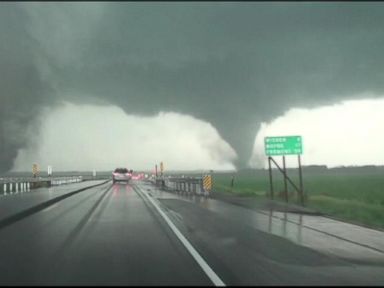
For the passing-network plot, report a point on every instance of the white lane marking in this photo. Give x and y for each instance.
(50, 207)
(208, 270)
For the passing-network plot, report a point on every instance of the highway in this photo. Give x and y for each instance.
(135, 234)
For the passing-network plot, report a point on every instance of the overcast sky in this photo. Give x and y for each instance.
(230, 65)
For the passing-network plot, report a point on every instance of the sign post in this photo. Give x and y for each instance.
(281, 146)
(270, 178)
(285, 180)
(301, 181)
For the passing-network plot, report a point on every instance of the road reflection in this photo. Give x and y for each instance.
(128, 189)
(122, 187)
(303, 229)
(50, 191)
(287, 225)
(115, 189)
(281, 223)
(300, 227)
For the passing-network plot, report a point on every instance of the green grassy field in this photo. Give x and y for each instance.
(353, 194)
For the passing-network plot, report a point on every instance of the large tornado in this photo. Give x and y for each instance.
(233, 65)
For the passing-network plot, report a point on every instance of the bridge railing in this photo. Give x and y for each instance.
(188, 185)
(16, 184)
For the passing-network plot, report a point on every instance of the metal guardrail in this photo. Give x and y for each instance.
(189, 185)
(16, 184)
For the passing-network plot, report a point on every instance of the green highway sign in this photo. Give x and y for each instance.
(283, 145)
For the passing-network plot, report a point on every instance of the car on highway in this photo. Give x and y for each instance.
(121, 174)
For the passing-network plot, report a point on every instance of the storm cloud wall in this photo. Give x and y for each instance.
(231, 64)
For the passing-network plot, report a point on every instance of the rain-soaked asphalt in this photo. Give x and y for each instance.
(266, 247)
(107, 235)
(113, 235)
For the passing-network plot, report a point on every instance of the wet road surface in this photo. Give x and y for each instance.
(107, 235)
(114, 235)
(258, 247)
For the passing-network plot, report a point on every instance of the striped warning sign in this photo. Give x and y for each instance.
(35, 169)
(207, 182)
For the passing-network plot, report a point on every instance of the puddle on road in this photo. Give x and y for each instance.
(316, 232)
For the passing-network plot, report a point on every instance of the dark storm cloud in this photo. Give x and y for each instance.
(22, 89)
(232, 64)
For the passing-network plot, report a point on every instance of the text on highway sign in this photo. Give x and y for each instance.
(283, 145)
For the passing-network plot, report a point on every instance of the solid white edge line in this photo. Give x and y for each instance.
(208, 270)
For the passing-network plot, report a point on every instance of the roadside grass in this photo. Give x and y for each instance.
(345, 194)
(350, 210)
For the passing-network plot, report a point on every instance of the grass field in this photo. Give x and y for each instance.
(355, 194)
